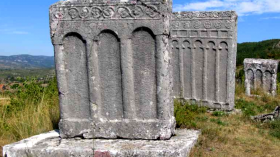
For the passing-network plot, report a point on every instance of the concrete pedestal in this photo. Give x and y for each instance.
(51, 145)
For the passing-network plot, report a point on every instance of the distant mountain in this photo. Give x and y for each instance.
(26, 62)
(267, 49)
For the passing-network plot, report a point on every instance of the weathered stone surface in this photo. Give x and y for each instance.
(113, 68)
(261, 73)
(268, 117)
(204, 46)
(50, 145)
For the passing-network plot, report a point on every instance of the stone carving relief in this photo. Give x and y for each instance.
(203, 57)
(123, 63)
(203, 15)
(97, 12)
(261, 73)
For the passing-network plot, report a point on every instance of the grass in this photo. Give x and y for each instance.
(233, 134)
(32, 110)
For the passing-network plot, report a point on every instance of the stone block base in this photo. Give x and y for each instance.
(50, 145)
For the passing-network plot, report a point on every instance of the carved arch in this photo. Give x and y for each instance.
(175, 44)
(143, 28)
(198, 44)
(223, 45)
(78, 35)
(144, 72)
(211, 44)
(186, 44)
(110, 74)
(110, 32)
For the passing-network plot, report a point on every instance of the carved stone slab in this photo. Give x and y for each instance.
(51, 145)
(113, 68)
(204, 46)
(261, 73)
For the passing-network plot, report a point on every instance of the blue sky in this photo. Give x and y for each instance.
(24, 24)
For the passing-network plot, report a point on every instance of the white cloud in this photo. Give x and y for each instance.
(268, 18)
(242, 7)
(4, 29)
(19, 32)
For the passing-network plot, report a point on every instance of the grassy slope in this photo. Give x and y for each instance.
(233, 134)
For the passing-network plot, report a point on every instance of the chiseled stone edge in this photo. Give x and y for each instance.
(50, 144)
(126, 129)
(23, 145)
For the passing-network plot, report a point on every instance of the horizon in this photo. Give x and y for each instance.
(26, 30)
(38, 55)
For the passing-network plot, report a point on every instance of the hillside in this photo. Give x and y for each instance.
(268, 49)
(26, 62)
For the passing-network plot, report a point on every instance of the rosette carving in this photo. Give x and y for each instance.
(84, 13)
(197, 24)
(207, 24)
(186, 25)
(228, 24)
(108, 12)
(124, 12)
(96, 12)
(218, 24)
(151, 11)
(138, 11)
(73, 12)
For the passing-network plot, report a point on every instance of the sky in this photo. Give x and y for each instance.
(24, 24)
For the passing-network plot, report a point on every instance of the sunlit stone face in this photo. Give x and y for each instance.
(113, 64)
(261, 74)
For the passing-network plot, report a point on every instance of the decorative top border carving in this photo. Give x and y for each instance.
(66, 2)
(204, 15)
(261, 64)
(202, 24)
(104, 12)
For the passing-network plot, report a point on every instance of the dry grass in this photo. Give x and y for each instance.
(4, 100)
(22, 117)
(32, 120)
(237, 138)
(236, 135)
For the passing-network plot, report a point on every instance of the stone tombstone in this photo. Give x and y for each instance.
(261, 73)
(204, 46)
(113, 68)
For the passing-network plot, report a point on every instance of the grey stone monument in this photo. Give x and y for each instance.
(261, 73)
(204, 46)
(112, 63)
(115, 72)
